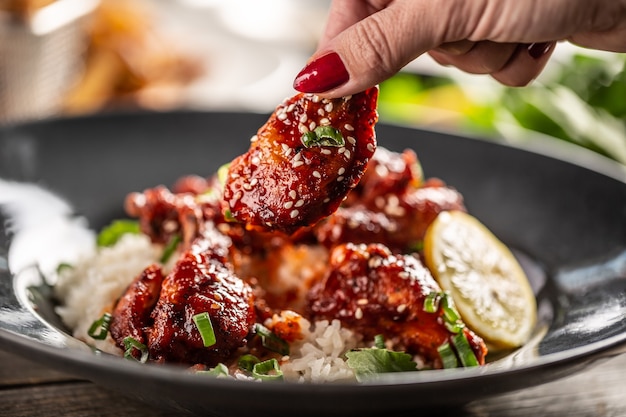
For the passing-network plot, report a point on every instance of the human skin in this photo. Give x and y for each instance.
(511, 40)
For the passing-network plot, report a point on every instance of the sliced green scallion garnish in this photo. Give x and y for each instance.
(431, 302)
(112, 233)
(463, 348)
(131, 345)
(205, 327)
(271, 341)
(448, 357)
(451, 317)
(100, 328)
(323, 136)
(220, 370)
(170, 248)
(268, 370)
(379, 341)
(247, 362)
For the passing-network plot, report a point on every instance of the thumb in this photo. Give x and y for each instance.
(375, 48)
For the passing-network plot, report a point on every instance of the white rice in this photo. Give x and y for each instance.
(94, 284)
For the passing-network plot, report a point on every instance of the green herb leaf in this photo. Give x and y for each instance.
(369, 362)
(131, 344)
(268, 370)
(205, 327)
(112, 233)
(170, 248)
(271, 341)
(99, 328)
(247, 362)
(323, 136)
(379, 341)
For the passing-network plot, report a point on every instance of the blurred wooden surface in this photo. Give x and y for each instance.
(30, 389)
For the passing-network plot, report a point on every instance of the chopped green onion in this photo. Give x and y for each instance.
(452, 319)
(170, 248)
(463, 348)
(228, 216)
(268, 370)
(63, 266)
(271, 341)
(431, 303)
(131, 344)
(323, 136)
(99, 328)
(112, 233)
(379, 341)
(220, 370)
(448, 357)
(247, 362)
(205, 327)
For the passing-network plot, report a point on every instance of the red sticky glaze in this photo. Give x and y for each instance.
(280, 184)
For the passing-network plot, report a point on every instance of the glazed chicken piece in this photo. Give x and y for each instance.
(375, 292)
(158, 311)
(392, 205)
(303, 162)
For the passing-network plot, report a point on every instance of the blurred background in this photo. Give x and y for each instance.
(62, 58)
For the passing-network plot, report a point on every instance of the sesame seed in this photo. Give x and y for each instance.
(341, 171)
(304, 118)
(291, 107)
(297, 164)
(255, 160)
(294, 214)
(315, 99)
(329, 107)
(347, 154)
(282, 115)
(348, 127)
(317, 174)
(358, 314)
(285, 147)
(326, 200)
(254, 181)
(293, 194)
(300, 203)
(404, 274)
(288, 204)
(346, 98)
(370, 147)
(341, 150)
(401, 308)
(325, 151)
(362, 301)
(312, 125)
(297, 157)
(324, 121)
(321, 112)
(351, 140)
(254, 138)
(302, 129)
(340, 178)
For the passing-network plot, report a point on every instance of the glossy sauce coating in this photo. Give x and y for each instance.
(281, 184)
(376, 292)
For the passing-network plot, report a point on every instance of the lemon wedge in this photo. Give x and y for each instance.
(488, 285)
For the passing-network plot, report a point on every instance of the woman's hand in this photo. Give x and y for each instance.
(367, 41)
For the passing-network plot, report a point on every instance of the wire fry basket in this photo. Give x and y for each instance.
(40, 58)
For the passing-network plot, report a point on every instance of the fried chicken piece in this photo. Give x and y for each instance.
(303, 162)
(398, 221)
(375, 292)
(202, 281)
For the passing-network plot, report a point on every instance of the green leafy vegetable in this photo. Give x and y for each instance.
(268, 370)
(271, 341)
(367, 362)
(131, 345)
(99, 328)
(112, 233)
(323, 136)
(205, 327)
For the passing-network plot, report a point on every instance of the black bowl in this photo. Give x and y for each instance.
(561, 209)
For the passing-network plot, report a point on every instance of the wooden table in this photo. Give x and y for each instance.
(29, 389)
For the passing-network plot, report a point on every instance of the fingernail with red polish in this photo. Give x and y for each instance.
(323, 74)
(537, 50)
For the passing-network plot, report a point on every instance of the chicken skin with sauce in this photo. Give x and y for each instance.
(375, 292)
